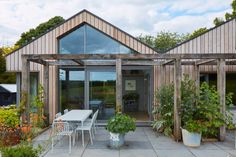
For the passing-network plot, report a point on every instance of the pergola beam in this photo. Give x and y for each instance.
(130, 56)
(200, 62)
(168, 61)
(78, 61)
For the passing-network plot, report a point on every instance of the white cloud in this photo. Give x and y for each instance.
(133, 16)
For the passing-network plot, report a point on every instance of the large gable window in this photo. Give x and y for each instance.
(90, 41)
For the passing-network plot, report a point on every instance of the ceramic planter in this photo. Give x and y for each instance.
(191, 139)
(116, 140)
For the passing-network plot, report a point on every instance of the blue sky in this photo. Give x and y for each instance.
(133, 16)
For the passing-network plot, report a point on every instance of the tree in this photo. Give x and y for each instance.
(39, 30)
(198, 32)
(217, 21)
(6, 77)
(163, 40)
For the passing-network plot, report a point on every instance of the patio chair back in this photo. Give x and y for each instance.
(93, 119)
(96, 115)
(60, 128)
(58, 115)
(65, 111)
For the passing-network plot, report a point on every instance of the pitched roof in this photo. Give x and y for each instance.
(11, 88)
(74, 16)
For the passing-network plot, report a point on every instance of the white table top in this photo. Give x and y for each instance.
(75, 115)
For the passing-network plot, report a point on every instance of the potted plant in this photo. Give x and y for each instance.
(118, 126)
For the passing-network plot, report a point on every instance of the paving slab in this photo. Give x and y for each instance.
(175, 153)
(100, 153)
(137, 153)
(210, 153)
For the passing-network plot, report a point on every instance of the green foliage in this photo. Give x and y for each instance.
(9, 117)
(228, 16)
(6, 77)
(163, 40)
(164, 110)
(218, 21)
(188, 99)
(198, 32)
(121, 124)
(22, 150)
(39, 30)
(38, 103)
(199, 111)
(209, 110)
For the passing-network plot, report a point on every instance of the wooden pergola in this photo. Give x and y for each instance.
(117, 60)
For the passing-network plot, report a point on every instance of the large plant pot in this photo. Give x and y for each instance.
(191, 139)
(116, 140)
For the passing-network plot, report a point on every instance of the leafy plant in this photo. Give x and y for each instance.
(9, 126)
(38, 103)
(22, 150)
(164, 111)
(121, 124)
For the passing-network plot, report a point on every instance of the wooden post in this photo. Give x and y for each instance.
(197, 77)
(46, 88)
(163, 74)
(119, 85)
(25, 88)
(221, 89)
(177, 99)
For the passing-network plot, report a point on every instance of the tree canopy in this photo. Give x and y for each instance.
(4, 76)
(228, 16)
(39, 30)
(163, 40)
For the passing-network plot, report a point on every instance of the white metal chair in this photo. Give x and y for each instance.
(95, 121)
(87, 126)
(66, 111)
(58, 115)
(62, 129)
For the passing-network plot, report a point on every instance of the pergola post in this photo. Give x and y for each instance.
(221, 89)
(119, 85)
(46, 88)
(25, 87)
(197, 77)
(177, 99)
(163, 74)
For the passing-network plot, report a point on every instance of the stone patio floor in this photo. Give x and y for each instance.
(141, 143)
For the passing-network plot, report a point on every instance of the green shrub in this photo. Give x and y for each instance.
(9, 117)
(121, 124)
(199, 112)
(22, 150)
(164, 110)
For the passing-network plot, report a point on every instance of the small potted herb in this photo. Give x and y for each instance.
(118, 126)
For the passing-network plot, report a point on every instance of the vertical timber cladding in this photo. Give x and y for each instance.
(47, 44)
(220, 39)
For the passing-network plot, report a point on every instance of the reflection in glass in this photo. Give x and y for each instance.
(102, 93)
(87, 39)
(71, 88)
(33, 86)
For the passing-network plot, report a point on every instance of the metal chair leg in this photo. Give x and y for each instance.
(69, 144)
(90, 134)
(83, 138)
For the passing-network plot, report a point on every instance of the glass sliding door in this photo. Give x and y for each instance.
(71, 88)
(102, 93)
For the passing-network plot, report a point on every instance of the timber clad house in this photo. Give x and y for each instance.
(87, 62)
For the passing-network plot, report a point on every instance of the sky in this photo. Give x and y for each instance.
(133, 16)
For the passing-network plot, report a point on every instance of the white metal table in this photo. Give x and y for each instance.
(75, 116)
